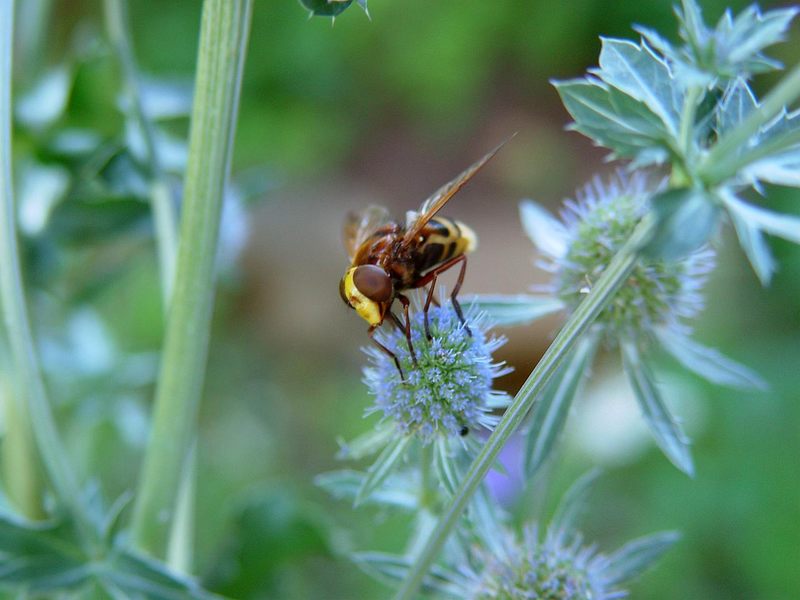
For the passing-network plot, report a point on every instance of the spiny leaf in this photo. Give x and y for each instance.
(665, 429)
(519, 309)
(549, 415)
(614, 120)
(639, 73)
(382, 467)
(638, 555)
(707, 362)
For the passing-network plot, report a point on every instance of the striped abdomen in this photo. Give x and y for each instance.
(443, 239)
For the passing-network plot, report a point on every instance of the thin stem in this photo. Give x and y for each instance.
(28, 383)
(223, 39)
(117, 26)
(594, 303)
(722, 162)
(690, 102)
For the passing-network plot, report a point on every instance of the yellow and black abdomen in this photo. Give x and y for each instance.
(443, 239)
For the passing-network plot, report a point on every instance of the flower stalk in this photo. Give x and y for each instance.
(600, 296)
(29, 389)
(117, 26)
(223, 41)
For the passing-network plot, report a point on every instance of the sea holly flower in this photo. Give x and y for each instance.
(492, 562)
(446, 388)
(654, 308)
(444, 396)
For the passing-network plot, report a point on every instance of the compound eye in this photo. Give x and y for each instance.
(373, 282)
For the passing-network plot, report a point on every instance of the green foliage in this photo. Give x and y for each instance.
(685, 220)
(44, 560)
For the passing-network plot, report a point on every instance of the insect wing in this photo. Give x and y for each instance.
(360, 225)
(436, 202)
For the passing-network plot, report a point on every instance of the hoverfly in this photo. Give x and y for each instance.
(387, 257)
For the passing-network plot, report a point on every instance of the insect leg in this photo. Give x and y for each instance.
(431, 277)
(405, 302)
(388, 352)
(456, 289)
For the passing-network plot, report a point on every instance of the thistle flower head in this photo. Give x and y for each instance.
(544, 569)
(448, 389)
(594, 227)
(497, 563)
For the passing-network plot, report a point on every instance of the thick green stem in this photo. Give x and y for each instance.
(594, 303)
(223, 40)
(160, 198)
(29, 386)
(725, 158)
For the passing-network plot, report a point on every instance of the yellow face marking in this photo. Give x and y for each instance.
(369, 310)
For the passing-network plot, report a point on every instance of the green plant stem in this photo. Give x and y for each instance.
(179, 555)
(603, 292)
(223, 40)
(29, 386)
(22, 476)
(180, 548)
(725, 158)
(117, 26)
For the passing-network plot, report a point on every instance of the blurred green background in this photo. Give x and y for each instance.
(385, 110)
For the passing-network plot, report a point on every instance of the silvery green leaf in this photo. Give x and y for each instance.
(137, 576)
(484, 515)
(382, 467)
(518, 309)
(638, 555)
(665, 429)
(639, 73)
(736, 104)
(391, 568)
(755, 247)
(549, 415)
(573, 502)
(42, 556)
(733, 48)
(781, 225)
(613, 119)
(752, 31)
(656, 41)
(366, 444)
(686, 218)
(693, 28)
(45, 102)
(445, 467)
(398, 491)
(707, 362)
(546, 232)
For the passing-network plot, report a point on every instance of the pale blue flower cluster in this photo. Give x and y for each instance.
(448, 389)
(594, 226)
